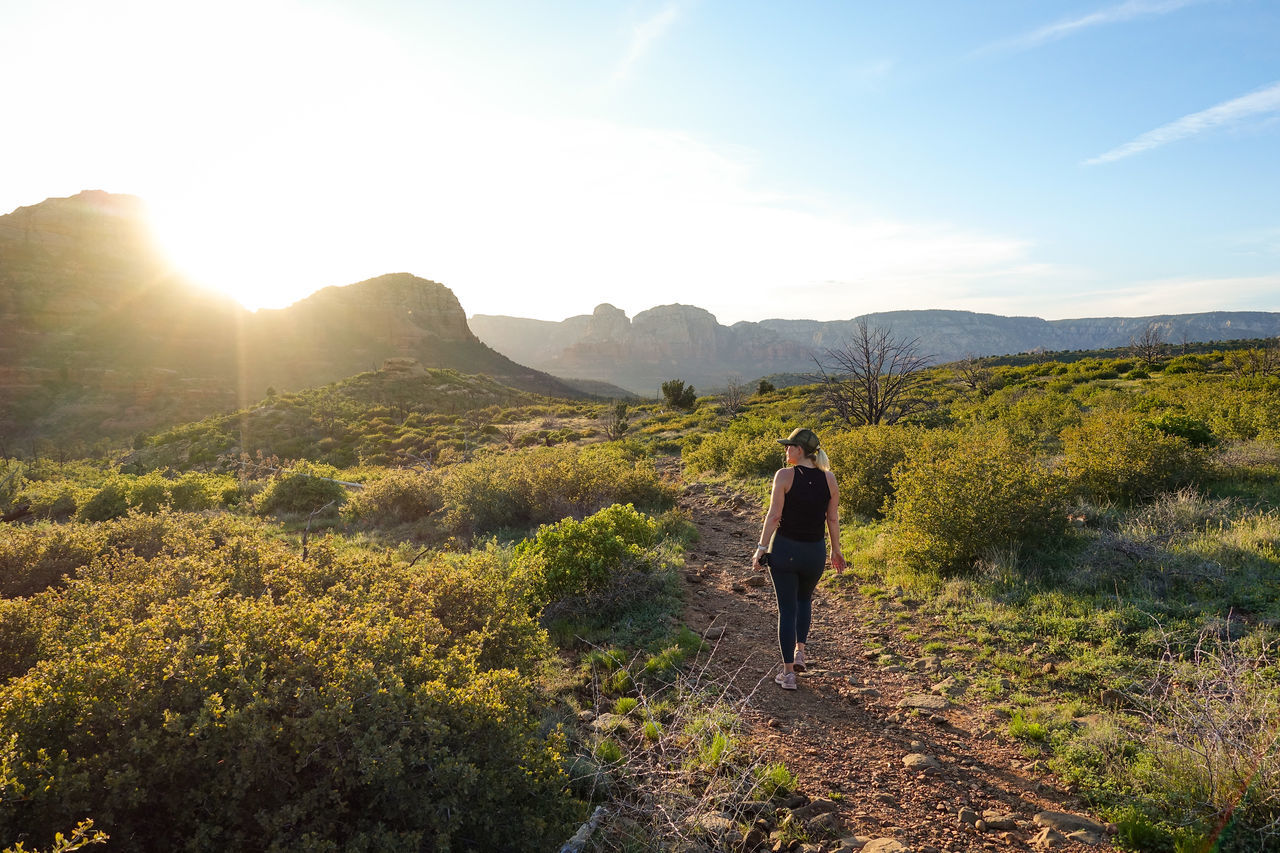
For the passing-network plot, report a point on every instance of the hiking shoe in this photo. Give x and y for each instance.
(786, 679)
(799, 664)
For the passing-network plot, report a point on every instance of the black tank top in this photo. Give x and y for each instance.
(804, 509)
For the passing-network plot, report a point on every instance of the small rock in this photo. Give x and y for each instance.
(738, 588)
(868, 692)
(827, 823)
(1049, 668)
(929, 663)
(752, 840)
(871, 654)
(1048, 838)
(999, 820)
(755, 808)
(885, 845)
(1068, 823)
(715, 632)
(586, 716)
(794, 801)
(610, 723)
(967, 817)
(813, 809)
(947, 687)
(924, 702)
(853, 842)
(716, 823)
(919, 761)
(755, 580)
(1083, 836)
(853, 680)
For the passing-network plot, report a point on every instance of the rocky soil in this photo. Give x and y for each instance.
(891, 754)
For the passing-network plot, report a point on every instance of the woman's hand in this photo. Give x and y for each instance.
(837, 561)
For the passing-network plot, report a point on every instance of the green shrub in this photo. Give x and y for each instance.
(574, 558)
(1118, 456)
(37, 557)
(775, 780)
(398, 498)
(959, 498)
(147, 493)
(227, 694)
(109, 501)
(748, 447)
(516, 490)
(51, 499)
(863, 459)
(1195, 431)
(303, 489)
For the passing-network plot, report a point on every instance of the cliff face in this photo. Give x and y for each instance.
(98, 337)
(685, 342)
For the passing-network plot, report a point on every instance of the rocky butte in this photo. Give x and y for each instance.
(687, 342)
(98, 336)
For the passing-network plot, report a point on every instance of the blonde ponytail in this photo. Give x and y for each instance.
(820, 459)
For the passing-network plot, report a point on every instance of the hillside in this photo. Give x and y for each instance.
(684, 341)
(98, 337)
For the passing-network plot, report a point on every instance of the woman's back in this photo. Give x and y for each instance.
(804, 510)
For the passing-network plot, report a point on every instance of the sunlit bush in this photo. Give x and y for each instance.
(225, 693)
(515, 490)
(863, 459)
(574, 558)
(1120, 456)
(303, 488)
(962, 497)
(748, 447)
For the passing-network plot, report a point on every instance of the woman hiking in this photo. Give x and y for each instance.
(803, 505)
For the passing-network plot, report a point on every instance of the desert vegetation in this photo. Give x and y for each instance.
(370, 615)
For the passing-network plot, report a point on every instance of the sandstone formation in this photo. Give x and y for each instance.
(99, 337)
(686, 342)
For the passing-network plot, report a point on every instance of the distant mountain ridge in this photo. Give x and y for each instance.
(99, 336)
(687, 342)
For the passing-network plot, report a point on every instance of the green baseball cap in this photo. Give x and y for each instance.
(803, 438)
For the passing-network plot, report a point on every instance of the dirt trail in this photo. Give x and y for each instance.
(843, 731)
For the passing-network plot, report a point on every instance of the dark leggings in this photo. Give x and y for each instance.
(795, 568)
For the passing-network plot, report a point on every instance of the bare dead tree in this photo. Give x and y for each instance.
(735, 396)
(873, 378)
(1149, 345)
(1256, 361)
(975, 375)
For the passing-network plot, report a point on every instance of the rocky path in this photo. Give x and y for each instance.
(879, 734)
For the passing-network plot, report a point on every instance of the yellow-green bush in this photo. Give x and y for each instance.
(748, 447)
(36, 557)
(306, 487)
(51, 499)
(224, 694)
(966, 494)
(574, 558)
(515, 490)
(1119, 456)
(863, 459)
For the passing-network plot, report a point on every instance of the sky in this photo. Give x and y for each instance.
(815, 160)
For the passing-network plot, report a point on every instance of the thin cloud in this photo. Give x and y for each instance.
(643, 37)
(1230, 112)
(1127, 11)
